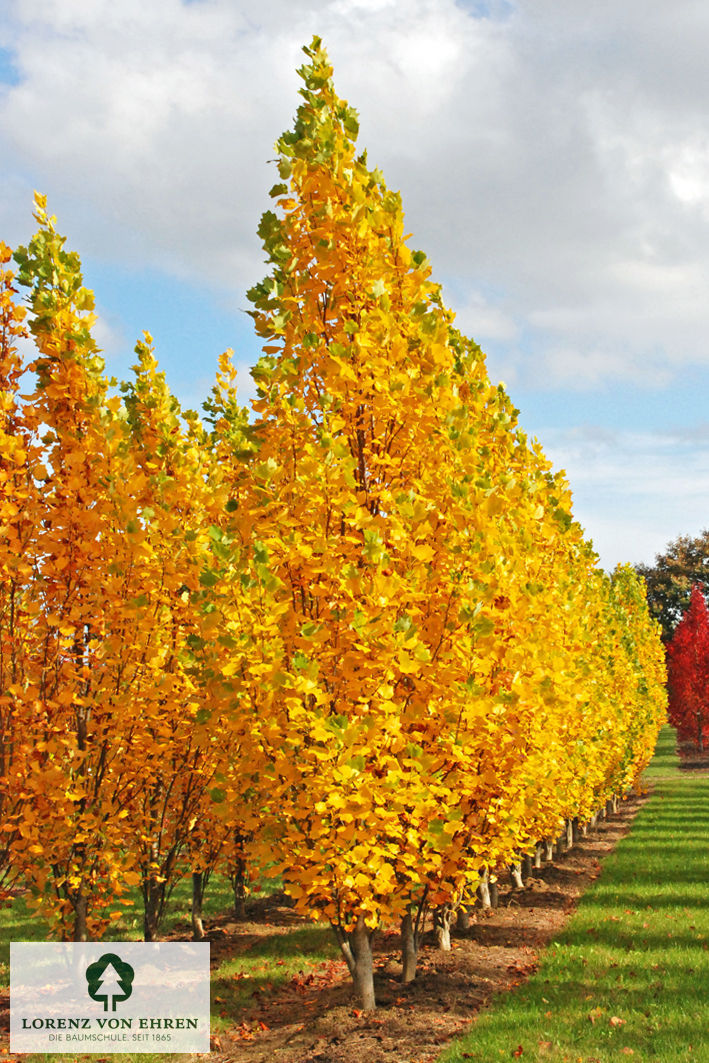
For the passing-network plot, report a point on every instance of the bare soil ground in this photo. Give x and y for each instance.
(314, 1019)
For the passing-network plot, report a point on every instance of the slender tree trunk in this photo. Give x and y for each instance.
(152, 901)
(462, 919)
(516, 876)
(484, 889)
(356, 947)
(409, 949)
(494, 893)
(538, 856)
(442, 919)
(411, 932)
(609, 808)
(549, 849)
(198, 888)
(526, 866)
(238, 877)
(614, 802)
(238, 882)
(81, 911)
(567, 837)
(575, 830)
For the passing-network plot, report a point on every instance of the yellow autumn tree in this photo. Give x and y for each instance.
(378, 527)
(19, 517)
(407, 564)
(67, 845)
(114, 766)
(173, 497)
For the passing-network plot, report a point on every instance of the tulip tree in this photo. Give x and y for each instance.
(350, 504)
(68, 845)
(19, 517)
(120, 527)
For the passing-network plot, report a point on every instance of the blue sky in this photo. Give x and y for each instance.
(553, 162)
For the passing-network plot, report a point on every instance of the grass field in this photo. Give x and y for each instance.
(629, 976)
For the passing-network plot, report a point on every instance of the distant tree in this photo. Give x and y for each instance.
(688, 672)
(669, 581)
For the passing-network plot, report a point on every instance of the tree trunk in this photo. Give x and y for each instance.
(483, 890)
(409, 949)
(80, 907)
(238, 883)
(575, 830)
(549, 849)
(526, 866)
(609, 808)
(238, 877)
(462, 919)
(583, 829)
(494, 893)
(614, 802)
(198, 888)
(516, 876)
(568, 835)
(538, 856)
(442, 919)
(356, 947)
(152, 902)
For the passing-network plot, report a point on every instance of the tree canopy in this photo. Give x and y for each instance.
(669, 582)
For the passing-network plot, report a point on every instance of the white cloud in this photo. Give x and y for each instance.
(554, 154)
(634, 492)
(485, 319)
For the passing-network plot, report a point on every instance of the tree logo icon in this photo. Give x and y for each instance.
(110, 980)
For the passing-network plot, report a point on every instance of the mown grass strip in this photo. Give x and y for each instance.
(629, 976)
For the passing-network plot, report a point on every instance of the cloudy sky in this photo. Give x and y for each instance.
(553, 160)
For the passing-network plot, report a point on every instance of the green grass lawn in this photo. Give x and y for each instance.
(629, 976)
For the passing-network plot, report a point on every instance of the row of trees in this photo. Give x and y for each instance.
(356, 639)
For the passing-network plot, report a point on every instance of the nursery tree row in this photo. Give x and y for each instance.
(353, 638)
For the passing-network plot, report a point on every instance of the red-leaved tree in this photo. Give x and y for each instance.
(688, 672)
